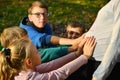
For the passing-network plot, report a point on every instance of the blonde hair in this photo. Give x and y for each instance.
(10, 34)
(5, 69)
(37, 3)
(13, 58)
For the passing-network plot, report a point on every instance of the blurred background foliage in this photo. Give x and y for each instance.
(61, 12)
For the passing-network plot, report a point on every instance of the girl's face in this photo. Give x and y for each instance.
(38, 16)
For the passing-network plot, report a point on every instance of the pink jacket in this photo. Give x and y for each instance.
(54, 71)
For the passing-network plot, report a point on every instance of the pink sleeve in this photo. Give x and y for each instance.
(55, 64)
(63, 72)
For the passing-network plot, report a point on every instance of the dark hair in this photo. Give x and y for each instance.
(75, 24)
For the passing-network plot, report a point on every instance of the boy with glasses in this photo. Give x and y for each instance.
(39, 30)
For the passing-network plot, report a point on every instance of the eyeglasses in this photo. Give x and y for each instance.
(40, 14)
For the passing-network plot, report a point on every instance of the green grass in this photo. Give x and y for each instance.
(62, 11)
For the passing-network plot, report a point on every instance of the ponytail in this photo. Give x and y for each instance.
(5, 68)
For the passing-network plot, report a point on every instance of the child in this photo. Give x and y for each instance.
(10, 34)
(74, 30)
(38, 29)
(21, 61)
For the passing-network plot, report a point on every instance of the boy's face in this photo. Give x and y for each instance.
(73, 33)
(38, 16)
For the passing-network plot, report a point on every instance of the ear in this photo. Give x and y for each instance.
(30, 17)
(28, 62)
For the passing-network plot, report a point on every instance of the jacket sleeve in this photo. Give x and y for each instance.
(63, 72)
(49, 54)
(55, 64)
(110, 57)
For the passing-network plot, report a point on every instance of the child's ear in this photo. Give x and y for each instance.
(28, 62)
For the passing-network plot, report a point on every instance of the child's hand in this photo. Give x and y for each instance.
(80, 46)
(79, 39)
(89, 46)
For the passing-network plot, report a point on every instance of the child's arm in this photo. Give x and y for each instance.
(63, 72)
(57, 63)
(46, 67)
(49, 54)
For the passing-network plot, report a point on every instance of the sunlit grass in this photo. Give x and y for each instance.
(62, 11)
(12, 11)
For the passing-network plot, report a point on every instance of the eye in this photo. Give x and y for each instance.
(70, 32)
(37, 14)
(40, 14)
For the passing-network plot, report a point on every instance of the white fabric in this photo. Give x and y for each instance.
(106, 30)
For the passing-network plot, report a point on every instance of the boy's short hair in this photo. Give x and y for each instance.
(76, 24)
(37, 3)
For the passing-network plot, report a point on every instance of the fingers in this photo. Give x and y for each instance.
(80, 47)
(82, 42)
(89, 46)
(86, 45)
(80, 38)
(91, 41)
